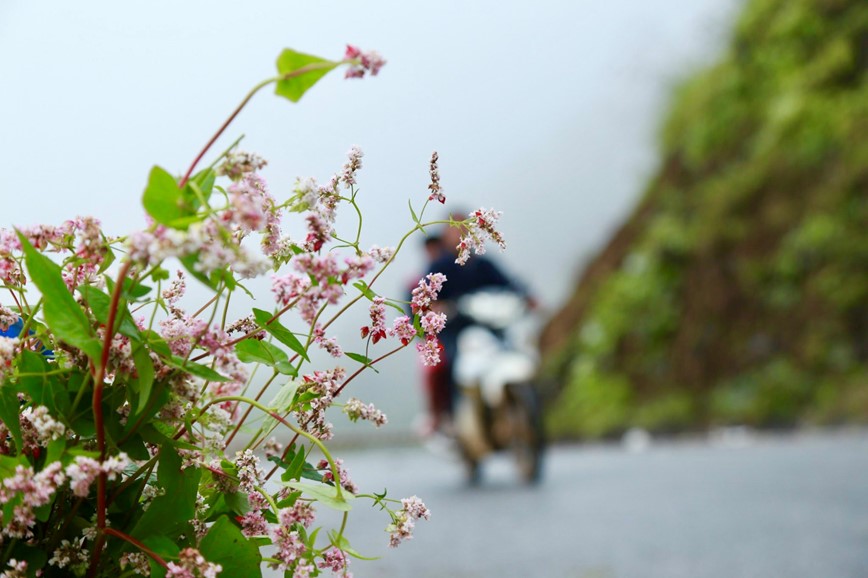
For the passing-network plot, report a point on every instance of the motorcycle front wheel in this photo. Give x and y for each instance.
(527, 440)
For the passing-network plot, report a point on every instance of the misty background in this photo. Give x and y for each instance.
(546, 111)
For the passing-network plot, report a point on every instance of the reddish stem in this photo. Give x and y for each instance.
(156, 557)
(98, 418)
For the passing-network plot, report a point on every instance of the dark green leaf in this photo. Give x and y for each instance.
(313, 68)
(9, 409)
(145, 369)
(224, 544)
(412, 212)
(280, 332)
(165, 548)
(62, 314)
(168, 514)
(358, 357)
(100, 303)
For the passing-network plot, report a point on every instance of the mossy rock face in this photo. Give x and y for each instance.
(737, 292)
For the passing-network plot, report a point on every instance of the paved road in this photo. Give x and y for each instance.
(794, 506)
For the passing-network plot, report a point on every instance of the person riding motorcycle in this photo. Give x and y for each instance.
(477, 274)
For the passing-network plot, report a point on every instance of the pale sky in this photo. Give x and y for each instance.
(546, 110)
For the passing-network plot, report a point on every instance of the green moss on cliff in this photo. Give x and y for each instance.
(738, 290)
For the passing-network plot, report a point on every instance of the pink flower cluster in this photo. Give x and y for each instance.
(83, 471)
(479, 229)
(236, 164)
(290, 548)
(432, 322)
(28, 491)
(362, 62)
(191, 564)
(356, 410)
(403, 520)
(328, 280)
(337, 561)
(250, 474)
(377, 328)
(434, 187)
(328, 475)
(8, 351)
(324, 385)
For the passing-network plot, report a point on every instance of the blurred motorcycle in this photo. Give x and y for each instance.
(498, 406)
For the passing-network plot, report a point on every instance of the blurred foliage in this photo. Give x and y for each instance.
(737, 293)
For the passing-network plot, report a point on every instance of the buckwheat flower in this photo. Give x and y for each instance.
(69, 554)
(45, 427)
(345, 481)
(433, 323)
(17, 569)
(303, 570)
(272, 447)
(402, 328)
(290, 547)
(369, 61)
(249, 473)
(356, 410)
(329, 344)
(319, 232)
(480, 227)
(81, 473)
(434, 187)
(246, 326)
(377, 329)
(335, 560)
(191, 564)
(137, 562)
(429, 351)
(381, 254)
(176, 289)
(7, 318)
(8, 349)
(354, 163)
(288, 287)
(415, 508)
(426, 292)
(114, 466)
(300, 512)
(238, 163)
(249, 204)
(253, 524)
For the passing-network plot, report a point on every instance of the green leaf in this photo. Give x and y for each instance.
(224, 544)
(369, 294)
(412, 212)
(344, 544)
(145, 369)
(165, 202)
(280, 332)
(163, 547)
(63, 315)
(361, 359)
(100, 304)
(196, 369)
(291, 61)
(328, 495)
(9, 409)
(281, 403)
(256, 351)
(169, 514)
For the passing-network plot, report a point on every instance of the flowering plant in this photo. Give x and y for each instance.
(118, 404)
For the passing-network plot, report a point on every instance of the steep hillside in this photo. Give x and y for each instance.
(737, 292)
